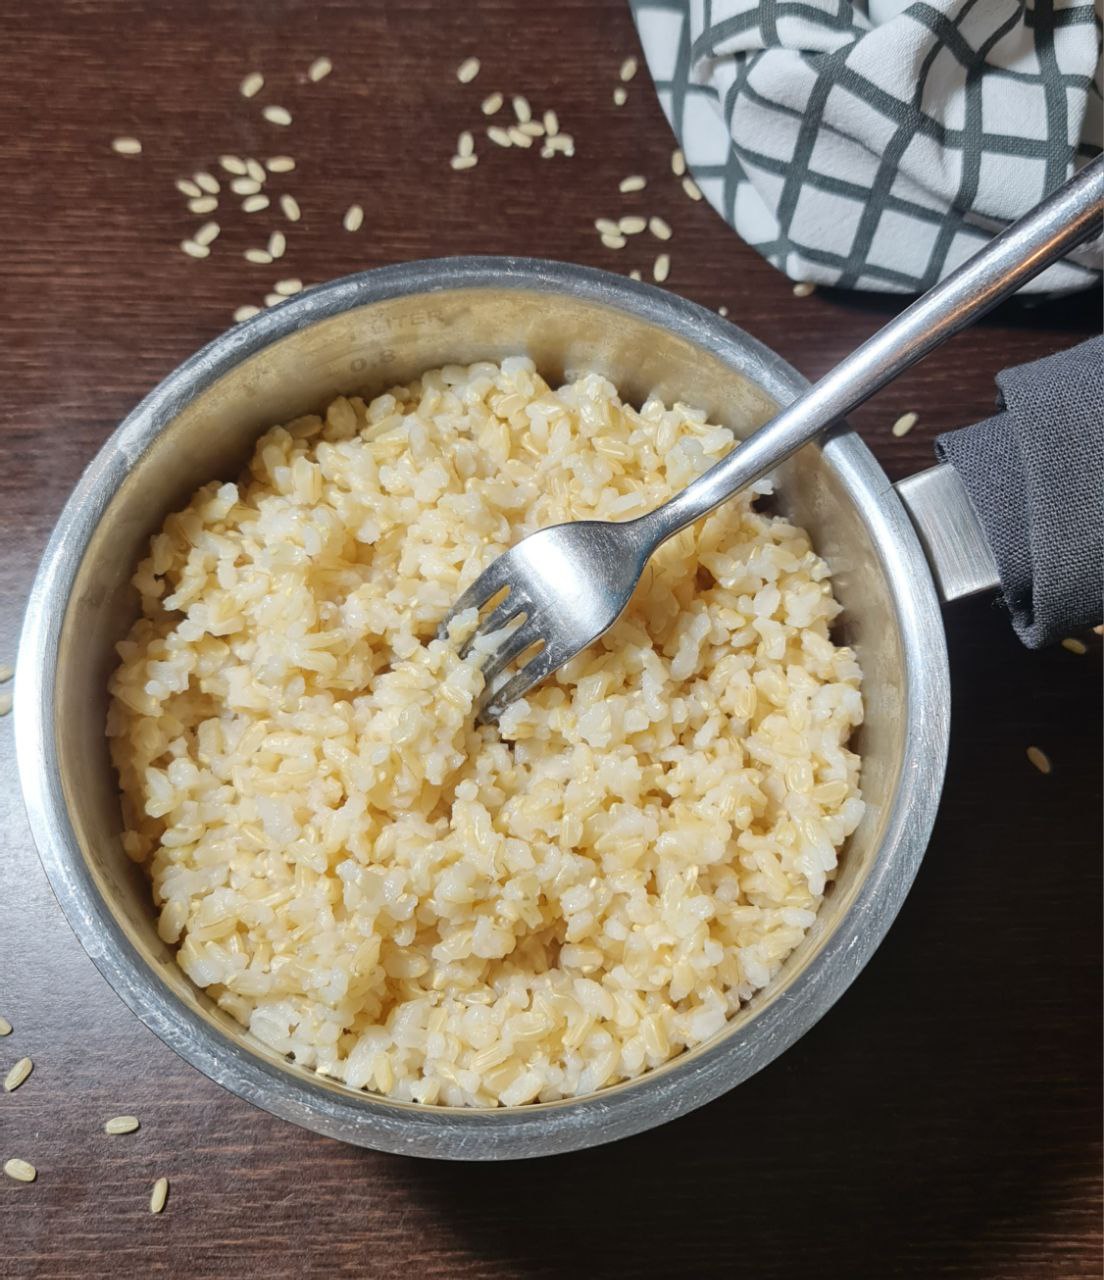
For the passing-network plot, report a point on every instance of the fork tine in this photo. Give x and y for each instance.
(495, 701)
(515, 605)
(489, 583)
(511, 647)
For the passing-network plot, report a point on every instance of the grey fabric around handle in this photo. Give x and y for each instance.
(1035, 475)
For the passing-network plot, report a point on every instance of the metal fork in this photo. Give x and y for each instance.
(566, 585)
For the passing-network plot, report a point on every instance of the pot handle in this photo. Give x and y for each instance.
(1017, 501)
(949, 531)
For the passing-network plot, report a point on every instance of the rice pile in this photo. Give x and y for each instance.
(467, 915)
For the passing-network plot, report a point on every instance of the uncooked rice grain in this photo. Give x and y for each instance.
(628, 69)
(354, 218)
(280, 164)
(462, 914)
(207, 182)
(804, 288)
(274, 299)
(5, 1027)
(159, 1195)
(289, 206)
(251, 85)
(234, 165)
(620, 96)
(245, 186)
(256, 171)
(277, 244)
(255, 204)
(18, 1074)
(518, 138)
(464, 162)
(188, 188)
(20, 1170)
(204, 204)
(606, 226)
(632, 225)
(465, 143)
(118, 1125)
(194, 250)
(691, 188)
(499, 136)
(905, 424)
(289, 287)
(7, 671)
(207, 234)
(492, 103)
(467, 70)
(551, 123)
(319, 69)
(635, 182)
(659, 228)
(1074, 645)
(246, 313)
(522, 110)
(262, 257)
(662, 268)
(678, 162)
(5, 704)
(1039, 759)
(277, 115)
(613, 240)
(127, 146)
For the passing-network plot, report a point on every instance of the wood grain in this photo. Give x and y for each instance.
(943, 1119)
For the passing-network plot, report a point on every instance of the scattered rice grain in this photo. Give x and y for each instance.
(628, 69)
(659, 228)
(234, 165)
(274, 299)
(204, 204)
(206, 234)
(245, 186)
(262, 257)
(280, 164)
(18, 1074)
(256, 171)
(532, 128)
(662, 268)
(1039, 759)
(499, 136)
(187, 187)
(620, 96)
(251, 85)
(691, 188)
(289, 206)
(804, 288)
(6, 672)
(159, 1195)
(905, 424)
(522, 110)
(678, 162)
(277, 243)
(632, 225)
(5, 1027)
(194, 250)
(551, 123)
(289, 287)
(517, 138)
(722, 311)
(492, 103)
(127, 146)
(464, 162)
(1074, 645)
(319, 69)
(606, 226)
(467, 70)
(20, 1170)
(635, 182)
(354, 218)
(614, 240)
(121, 1124)
(277, 115)
(5, 704)
(207, 182)
(255, 204)
(465, 143)
(634, 274)
(246, 313)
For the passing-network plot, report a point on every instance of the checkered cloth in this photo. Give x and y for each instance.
(875, 144)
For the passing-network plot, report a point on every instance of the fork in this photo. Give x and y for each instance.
(564, 586)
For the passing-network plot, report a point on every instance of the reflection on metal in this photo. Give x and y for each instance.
(950, 532)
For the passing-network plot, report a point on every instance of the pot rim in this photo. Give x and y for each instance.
(686, 1082)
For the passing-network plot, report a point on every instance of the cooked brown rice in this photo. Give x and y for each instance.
(460, 914)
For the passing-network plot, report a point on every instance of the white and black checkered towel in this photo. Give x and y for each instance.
(875, 144)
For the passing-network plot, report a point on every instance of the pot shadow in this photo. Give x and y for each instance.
(942, 1113)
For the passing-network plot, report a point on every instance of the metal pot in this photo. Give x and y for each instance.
(386, 326)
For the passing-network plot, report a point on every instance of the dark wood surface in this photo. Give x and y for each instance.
(943, 1119)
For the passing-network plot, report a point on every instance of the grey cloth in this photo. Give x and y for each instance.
(1035, 475)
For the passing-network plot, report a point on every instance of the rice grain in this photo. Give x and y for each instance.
(5, 1027)
(127, 146)
(261, 257)
(246, 313)
(159, 1195)
(18, 1074)
(662, 268)
(277, 115)
(280, 164)
(691, 188)
(635, 182)
(659, 228)
(207, 182)
(188, 188)
(234, 165)
(467, 70)
(1074, 645)
(628, 69)
(251, 85)
(319, 69)
(905, 424)
(118, 1125)
(287, 288)
(204, 204)
(678, 162)
(1039, 759)
(20, 1170)
(499, 136)
(289, 206)
(804, 288)
(255, 204)
(354, 218)
(194, 250)
(491, 104)
(620, 96)
(277, 243)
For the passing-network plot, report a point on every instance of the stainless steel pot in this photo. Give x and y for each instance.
(374, 329)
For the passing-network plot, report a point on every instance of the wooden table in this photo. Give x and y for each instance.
(943, 1119)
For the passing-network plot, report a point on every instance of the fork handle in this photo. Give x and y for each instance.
(1020, 252)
